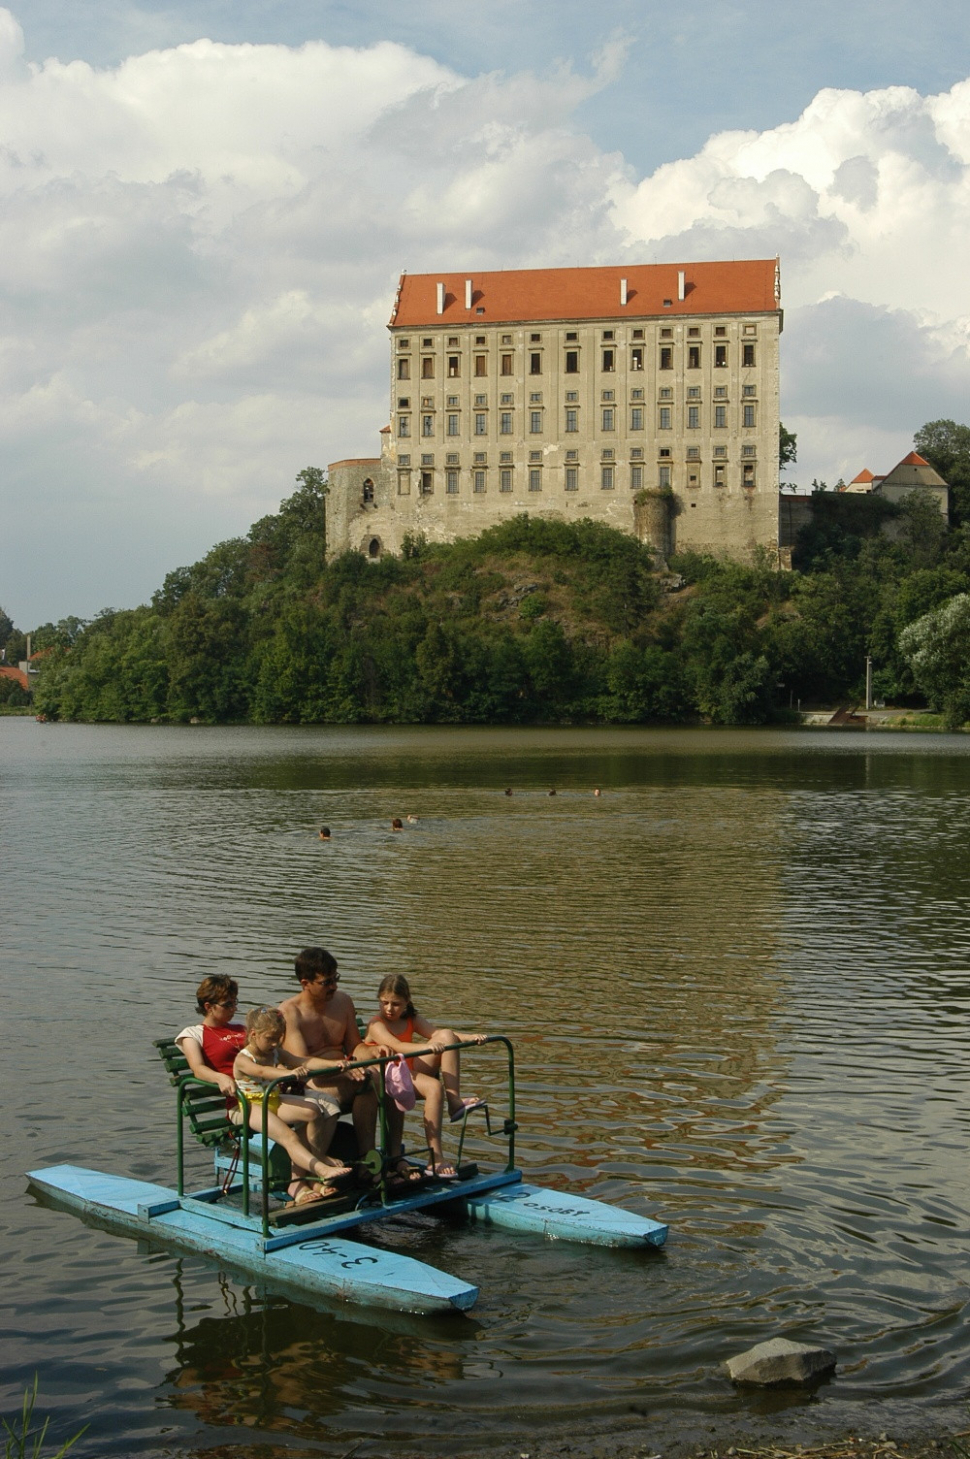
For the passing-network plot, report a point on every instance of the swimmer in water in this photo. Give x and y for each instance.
(325, 832)
(397, 824)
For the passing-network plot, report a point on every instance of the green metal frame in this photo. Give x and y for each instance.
(185, 1082)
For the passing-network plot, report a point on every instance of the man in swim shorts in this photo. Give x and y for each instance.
(321, 1023)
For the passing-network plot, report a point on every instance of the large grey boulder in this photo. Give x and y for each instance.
(781, 1361)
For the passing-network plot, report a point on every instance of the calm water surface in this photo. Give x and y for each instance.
(737, 984)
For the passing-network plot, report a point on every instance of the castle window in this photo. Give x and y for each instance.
(749, 416)
(693, 453)
(693, 417)
(749, 329)
(572, 362)
(748, 450)
(571, 337)
(666, 334)
(666, 357)
(607, 333)
(479, 482)
(636, 454)
(720, 417)
(427, 402)
(636, 418)
(480, 458)
(609, 418)
(374, 547)
(636, 478)
(427, 367)
(481, 424)
(720, 451)
(505, 456)
(719, 472)
(453, 425)
(638, 334)
(608, 395)
(572, 421)
(505, 423)
(666, 393)
(404, 403)
(452, 341)
(692, 479)
(720, 392)
(536, 398)
(535, 364)
(636, 394)
(636, 358)
(747, 474)
(451, 459)
(426, 344)
(480, 364)
(664, 452)
(609, 361)
(535, 338)
(663, 477)
(404, 369)
(693, 357)
(404, 344)
(535, 455)
(453, 401)
(427, 483)
(572, 455)
(720, 330)
(454, 366)
(720, 356)
(367, 490)
(749, 390)
(427, 425)
(693, 333)
(506, 365)
(665, 423)
(505, 479)
(451, 483)
(481, 399)
(608, 453)
(428, 459)
(572, 396)
(572, 478)
(747, 355)
(403, 460)
(535, 478)
(479, 339)
(535, 422)
(506, 339)
(403, 425)
(694, 392)
(606, 477)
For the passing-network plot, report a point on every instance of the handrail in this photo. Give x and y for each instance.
(380, 1060)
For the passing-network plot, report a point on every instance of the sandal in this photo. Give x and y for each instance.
(310, 1194)
(402, 1172)
(441, 1172)
(466, 1107)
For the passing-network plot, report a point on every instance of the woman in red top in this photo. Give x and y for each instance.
(210, 1047)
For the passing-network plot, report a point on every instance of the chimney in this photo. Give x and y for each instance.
(441, 298)
(623, 293)
(468, 293)
(681, 284)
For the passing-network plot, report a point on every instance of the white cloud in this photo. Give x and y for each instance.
(199, 246)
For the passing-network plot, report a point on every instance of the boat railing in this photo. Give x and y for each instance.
(188, 1081)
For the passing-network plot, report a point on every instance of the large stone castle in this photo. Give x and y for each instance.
(644, 397)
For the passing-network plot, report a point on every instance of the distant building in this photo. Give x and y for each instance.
(913, 473)
(644, 397)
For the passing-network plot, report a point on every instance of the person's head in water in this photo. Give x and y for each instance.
(397, 824)
(324, 833)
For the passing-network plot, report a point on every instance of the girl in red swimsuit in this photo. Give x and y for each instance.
(435, 1073)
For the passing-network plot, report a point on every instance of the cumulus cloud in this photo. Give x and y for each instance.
(199, 246)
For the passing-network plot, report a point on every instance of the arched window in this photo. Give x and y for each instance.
(368, 490)
(374, 547)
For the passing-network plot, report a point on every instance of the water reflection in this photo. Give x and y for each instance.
(737, 985)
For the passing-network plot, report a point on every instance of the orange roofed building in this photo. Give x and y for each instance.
(913, 473)
(645, 397)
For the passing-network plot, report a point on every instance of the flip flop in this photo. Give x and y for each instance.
(308, 1196)
(441, 1172)
(467, 1105)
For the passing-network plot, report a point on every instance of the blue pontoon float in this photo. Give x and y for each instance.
(309, 1250)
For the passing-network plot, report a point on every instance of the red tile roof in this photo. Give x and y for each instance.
(865, 475)
(7, 671)
(746, 286)
(913, 459)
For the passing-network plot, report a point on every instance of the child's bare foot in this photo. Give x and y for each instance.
(464, 1107)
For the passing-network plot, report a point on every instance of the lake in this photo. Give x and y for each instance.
(737, 984)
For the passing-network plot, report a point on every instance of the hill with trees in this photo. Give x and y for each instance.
(532, 621)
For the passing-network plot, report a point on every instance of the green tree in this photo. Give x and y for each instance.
(937, 647)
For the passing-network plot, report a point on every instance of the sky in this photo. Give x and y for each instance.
(205, 208)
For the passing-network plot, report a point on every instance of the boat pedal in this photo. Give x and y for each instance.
(468, 1171)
